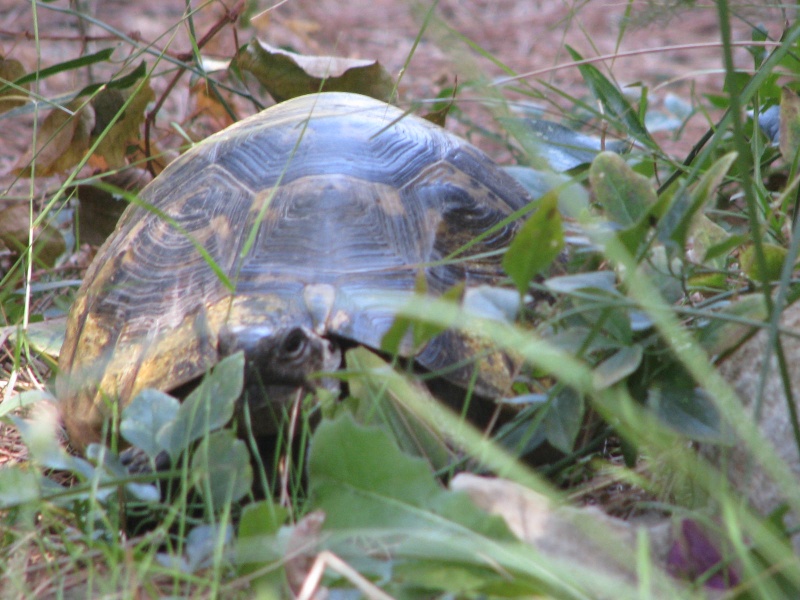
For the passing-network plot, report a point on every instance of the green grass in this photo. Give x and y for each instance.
(622, 374)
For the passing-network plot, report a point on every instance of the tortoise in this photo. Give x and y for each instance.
(320, 212)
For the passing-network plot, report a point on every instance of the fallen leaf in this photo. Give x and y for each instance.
(287, 75)
(62, 140)
(11, 97)
(581, 536)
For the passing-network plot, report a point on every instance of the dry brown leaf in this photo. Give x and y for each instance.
(302, 549)
(114, 144)
(11, 70)
(208, 105)
(580, 536)
(62, 140)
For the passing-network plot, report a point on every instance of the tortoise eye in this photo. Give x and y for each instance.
(294, 343)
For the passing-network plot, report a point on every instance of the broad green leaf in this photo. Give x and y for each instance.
(789, 139)
(377, 499)
(201, 547)
(721, 335)
(221, 465)
(617, 366)
(724, 248)
(147, 414)
(207, 408)
(676, 223)
(625, 195)
(379, 399)
(536, 245)
(18, 485)
(612, 100)
(774, 256)
(563, 420)
(562, 148)
(369, 489)
(360, 478)
(257, 547)
(707, 235)
(686, 410)
(287, 75)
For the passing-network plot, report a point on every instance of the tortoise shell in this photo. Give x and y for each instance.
(306, 223)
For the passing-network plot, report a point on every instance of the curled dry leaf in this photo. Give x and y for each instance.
(286, 75)
(585, 537)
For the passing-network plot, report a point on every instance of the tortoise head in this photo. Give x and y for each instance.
(280, 368)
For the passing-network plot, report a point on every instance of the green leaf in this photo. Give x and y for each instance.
(612, 100)
(536, 245)
(707, 235)
(678, 219)
(359, 477)
(222, 467)
(686, 410)
(562, 148)
(563, 420)
(773, 256)
(147, 414)
(18, 485)
(617, 366)
(69, 65)
(367, 486)
(625, 195)
(257, 547)
(379, 399)
(722, 334)
(287, 75)
(208, 407)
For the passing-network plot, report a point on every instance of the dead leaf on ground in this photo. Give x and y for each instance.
(62, 140)
(302, 549)
(579, 536)
(287, 75)
(10, 97)
(107, 104)
(208, 104)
